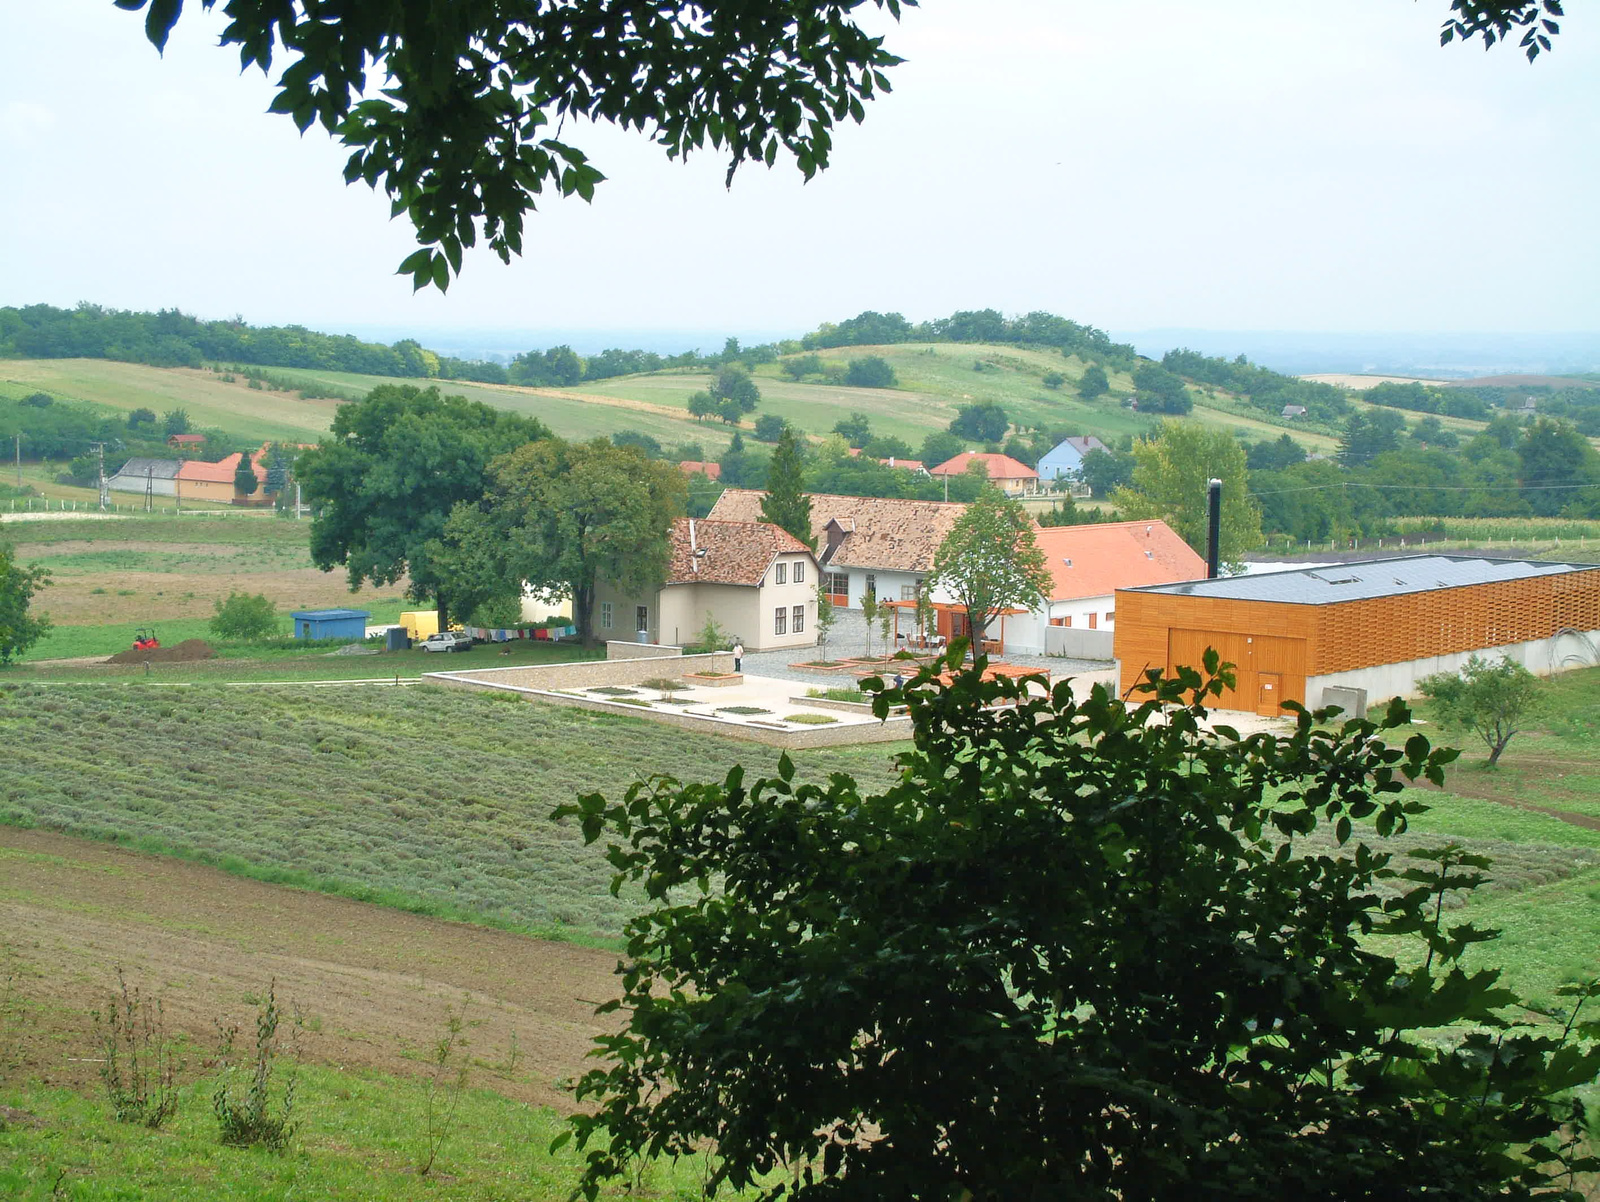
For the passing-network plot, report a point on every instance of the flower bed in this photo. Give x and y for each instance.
(713, 680)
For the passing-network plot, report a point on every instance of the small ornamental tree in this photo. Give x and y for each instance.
(244, 477)
(19, 629)
(785, 503)
(1075, 950)
(869, 614)
(244, 617)
(1488, 698)
(825, 617)
(990, 562)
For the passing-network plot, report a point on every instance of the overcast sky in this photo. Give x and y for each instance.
(1233, 164)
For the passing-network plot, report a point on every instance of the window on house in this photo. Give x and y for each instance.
(780, 620)
(641, 617)
(783, 573)
(836, 584)
(1093, 624)
(799, 618)
(1111, 616)
(1067, 621)
(872, 584)
(605, 615)
(800, 572)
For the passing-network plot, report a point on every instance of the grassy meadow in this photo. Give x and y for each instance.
(934, 380)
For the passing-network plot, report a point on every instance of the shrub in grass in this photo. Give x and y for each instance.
(138, 1063)
(811, 719)
(251, 1117)
(245, 617)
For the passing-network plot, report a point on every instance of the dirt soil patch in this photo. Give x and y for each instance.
(181, 653)
(373, 982)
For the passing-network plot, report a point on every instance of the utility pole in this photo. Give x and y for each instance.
(19, 458)
(297, 500)
(149, 489)
(100, 449)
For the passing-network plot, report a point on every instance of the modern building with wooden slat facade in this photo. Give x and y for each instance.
(1378, 626)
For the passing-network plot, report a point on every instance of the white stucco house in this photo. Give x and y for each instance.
(757, 581)
(1064, 461)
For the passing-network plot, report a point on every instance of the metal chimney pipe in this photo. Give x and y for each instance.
(1213, 528)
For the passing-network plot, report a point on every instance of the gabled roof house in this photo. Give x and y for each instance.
(1004, 472)
(141, 475)
(755, 580)
(1066, 457)
(885, 544)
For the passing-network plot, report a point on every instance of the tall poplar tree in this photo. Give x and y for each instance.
(785, 504)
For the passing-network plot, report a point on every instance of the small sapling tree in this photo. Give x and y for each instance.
(826, 615)
(1488, 698)
(138, 1063)
(251, 1115)
(869, 615)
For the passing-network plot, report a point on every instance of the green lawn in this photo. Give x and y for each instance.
(361, 1138)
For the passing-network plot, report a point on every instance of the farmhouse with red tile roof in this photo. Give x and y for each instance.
(1004, 472)
(757, 581)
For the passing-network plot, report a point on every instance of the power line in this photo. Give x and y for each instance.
(1427, 487)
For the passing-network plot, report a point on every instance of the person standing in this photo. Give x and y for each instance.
(738, 655)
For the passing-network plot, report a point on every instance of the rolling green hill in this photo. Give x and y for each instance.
(934, 380)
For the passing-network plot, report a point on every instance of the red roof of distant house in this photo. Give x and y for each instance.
(911, 465)
(1095, 561)
(221, 472)
(999, 467)
(704, 551)
(712, 471)
(180, 440)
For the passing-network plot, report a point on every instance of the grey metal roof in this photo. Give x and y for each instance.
(1327, 585)
(159, 469)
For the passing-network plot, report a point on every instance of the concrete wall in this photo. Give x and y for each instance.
(1078, 644)
(580, 674)
(1542, 657)
(620, 650)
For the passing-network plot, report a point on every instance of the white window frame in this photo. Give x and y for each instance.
(797, 620)
(799, 571)
(641, 619)
(783, 573)
(605, 615)
(780, 620)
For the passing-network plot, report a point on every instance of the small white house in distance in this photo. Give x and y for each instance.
(757, 581)
(1065, 459)
(1087, 565)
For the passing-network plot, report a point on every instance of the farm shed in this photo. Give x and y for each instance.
(330, 624)
(1379, 626)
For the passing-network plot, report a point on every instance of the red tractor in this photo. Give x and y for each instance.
(145, 640)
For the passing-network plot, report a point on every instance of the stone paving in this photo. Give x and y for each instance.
(849, 637)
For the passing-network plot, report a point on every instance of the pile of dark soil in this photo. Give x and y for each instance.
(189, 649)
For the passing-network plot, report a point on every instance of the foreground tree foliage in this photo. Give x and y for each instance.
(1074, 952)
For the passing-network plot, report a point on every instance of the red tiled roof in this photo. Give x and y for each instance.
(999, 467)
(706, 551)
(712, 470)
(878, 533)
(1115, 555)
(181, 439)
(221, 472)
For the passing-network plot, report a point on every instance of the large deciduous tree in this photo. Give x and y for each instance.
(383, 483)
(785, 503)
(1170, 476)
(1075, 951)
(1560, 471)
(990, 562)
(562, 517)
(19, 629)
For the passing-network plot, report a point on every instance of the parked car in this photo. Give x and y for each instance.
(448, 640)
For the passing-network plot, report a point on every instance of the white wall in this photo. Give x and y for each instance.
(1030, 634)
(888, 584)
(135, 484)
(1542, 657)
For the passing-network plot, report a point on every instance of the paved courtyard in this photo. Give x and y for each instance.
(849, 637)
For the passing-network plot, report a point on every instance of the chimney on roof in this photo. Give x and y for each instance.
(1213, 528)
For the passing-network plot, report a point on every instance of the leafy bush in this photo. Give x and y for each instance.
(138, 1063)
(1072, 953)
(244, 618)
(251, 1117)
(870, 372)
(1054, 379)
